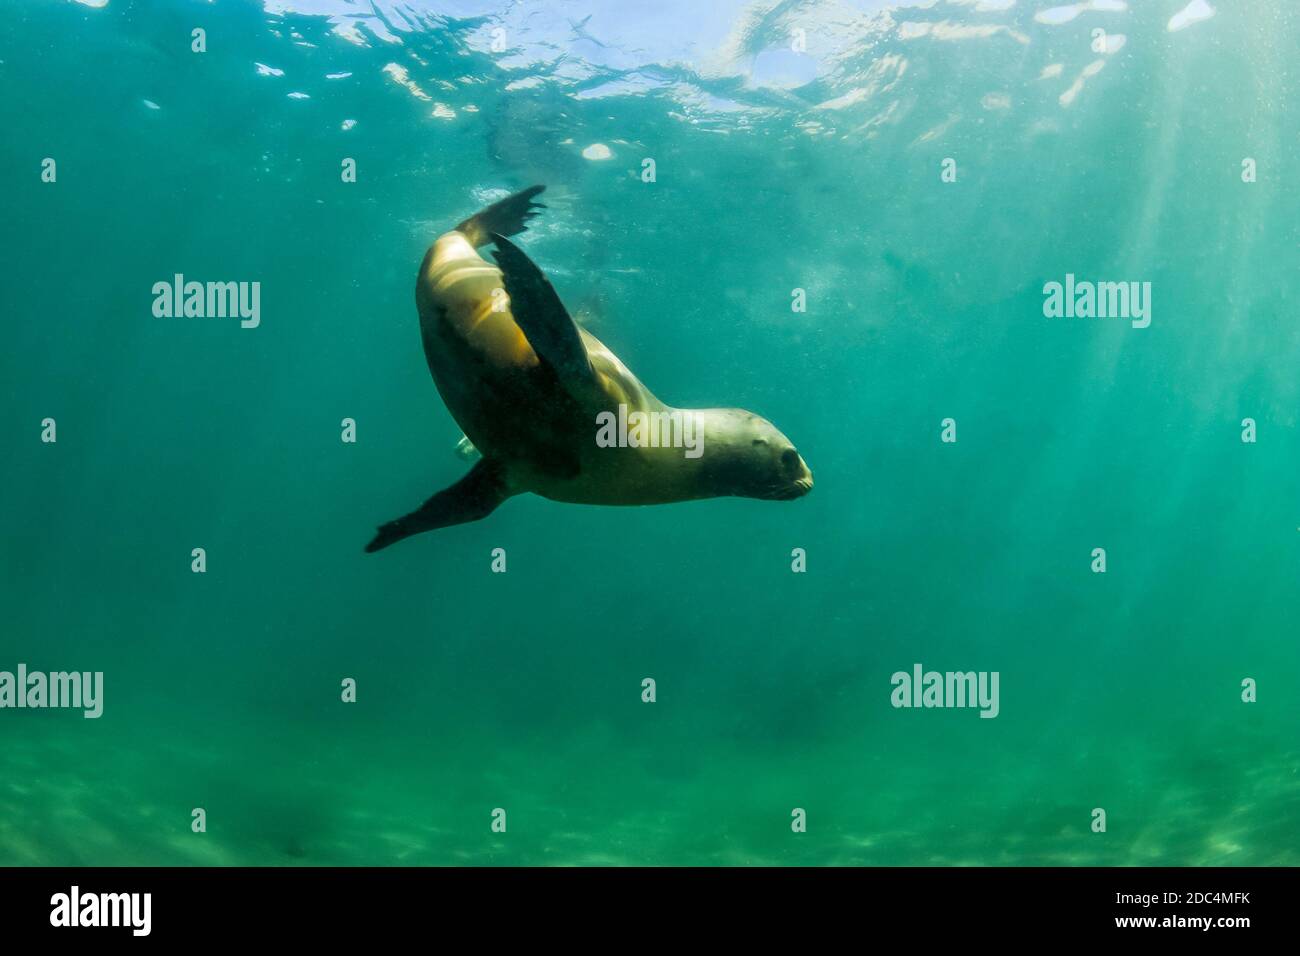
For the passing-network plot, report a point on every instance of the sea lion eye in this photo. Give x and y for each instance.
(789, 457)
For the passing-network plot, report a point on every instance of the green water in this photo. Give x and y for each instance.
(774, 171)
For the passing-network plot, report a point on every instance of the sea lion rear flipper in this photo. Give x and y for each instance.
(507, 217)
(538, 311)
(473, 497)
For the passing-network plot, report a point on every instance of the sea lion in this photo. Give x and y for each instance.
(541, 398)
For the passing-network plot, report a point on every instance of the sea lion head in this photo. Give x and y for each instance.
(751, 458)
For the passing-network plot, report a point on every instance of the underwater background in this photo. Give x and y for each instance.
(796, 145)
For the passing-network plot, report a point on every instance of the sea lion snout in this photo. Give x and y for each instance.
(801, 477)
(804, 482)
(775, 470)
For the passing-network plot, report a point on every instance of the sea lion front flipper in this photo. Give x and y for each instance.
(541, 315)
(473, 497)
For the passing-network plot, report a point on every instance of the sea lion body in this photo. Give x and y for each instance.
(480, 360)
(513, 408)
(529, 396)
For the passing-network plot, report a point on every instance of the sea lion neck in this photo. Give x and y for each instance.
(722, 465)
